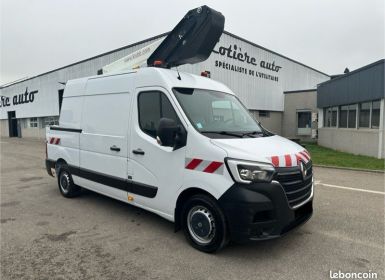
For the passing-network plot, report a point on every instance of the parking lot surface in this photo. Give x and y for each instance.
(46, 236)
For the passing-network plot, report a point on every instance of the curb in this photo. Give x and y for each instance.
(350, 168)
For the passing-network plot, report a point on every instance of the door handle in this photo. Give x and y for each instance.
(114, 148)
(138, 152)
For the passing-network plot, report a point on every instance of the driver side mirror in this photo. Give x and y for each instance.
(170, 134)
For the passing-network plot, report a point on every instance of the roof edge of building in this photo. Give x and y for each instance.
(150, 39)
(353, 72)
(300, 91)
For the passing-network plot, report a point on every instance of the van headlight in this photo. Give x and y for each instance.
(247, 172)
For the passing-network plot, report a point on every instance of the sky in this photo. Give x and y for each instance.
(40, 35)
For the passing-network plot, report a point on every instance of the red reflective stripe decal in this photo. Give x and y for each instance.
(51, 140)
(287, 160)
(213, 166)
(57, 141)
(298, 158)
(302, 157)
(305, 155)
(275, 160)
(194, 163)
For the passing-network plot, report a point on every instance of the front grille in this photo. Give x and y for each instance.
(297, 188)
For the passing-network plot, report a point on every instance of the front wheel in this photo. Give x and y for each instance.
(204, 224)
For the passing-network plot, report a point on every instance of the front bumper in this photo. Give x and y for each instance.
(261, 211)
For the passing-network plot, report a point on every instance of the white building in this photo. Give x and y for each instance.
(257, 75)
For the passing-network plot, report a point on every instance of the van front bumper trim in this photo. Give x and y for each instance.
(260, 211)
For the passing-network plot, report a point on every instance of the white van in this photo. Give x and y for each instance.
(184, 147)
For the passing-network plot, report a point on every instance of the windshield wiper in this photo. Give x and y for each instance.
(252, 133)
(224, 133)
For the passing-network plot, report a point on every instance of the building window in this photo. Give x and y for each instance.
(263, 114)
(343, 119)
(33, 122)
(48, 121)
(368, 114)
(347, 116)
(365, 114)
(376, 114)
(330, 116)
(327, 117)
(334, 112)
(352, 116)
(304, 123)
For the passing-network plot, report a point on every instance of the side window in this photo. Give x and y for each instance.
(152, 106)
(167, 111)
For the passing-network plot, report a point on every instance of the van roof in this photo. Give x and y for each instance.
(141, 78)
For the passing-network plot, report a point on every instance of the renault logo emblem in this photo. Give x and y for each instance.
(303, 169)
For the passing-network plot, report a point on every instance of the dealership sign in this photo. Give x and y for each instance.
(251, 62)
(26, 97)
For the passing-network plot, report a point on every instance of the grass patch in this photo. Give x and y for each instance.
(325, 156)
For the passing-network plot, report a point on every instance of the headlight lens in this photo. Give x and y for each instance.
(248, 171)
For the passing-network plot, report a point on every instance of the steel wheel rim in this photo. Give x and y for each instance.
(64, 182)
(201, 225)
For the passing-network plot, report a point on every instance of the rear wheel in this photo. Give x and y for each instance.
(66, 184)
(204, 223)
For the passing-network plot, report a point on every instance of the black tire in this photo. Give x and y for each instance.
(199, 212)
(65, 182)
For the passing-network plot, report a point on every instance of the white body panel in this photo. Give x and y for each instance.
(257, 149)
(159, 166)
(107, 114)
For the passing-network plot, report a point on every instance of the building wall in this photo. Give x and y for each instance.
(33, 132)
(294, 102)
(273, 122)
(258, 87)
(355, 141)
(381, 145)
(4, 130)
(360, 141)
(26, 130)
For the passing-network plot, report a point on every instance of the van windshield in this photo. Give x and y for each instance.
(214, 112)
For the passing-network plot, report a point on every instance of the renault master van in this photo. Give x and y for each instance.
(184, 147)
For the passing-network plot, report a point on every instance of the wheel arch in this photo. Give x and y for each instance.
(182, 198)
(59, 161)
